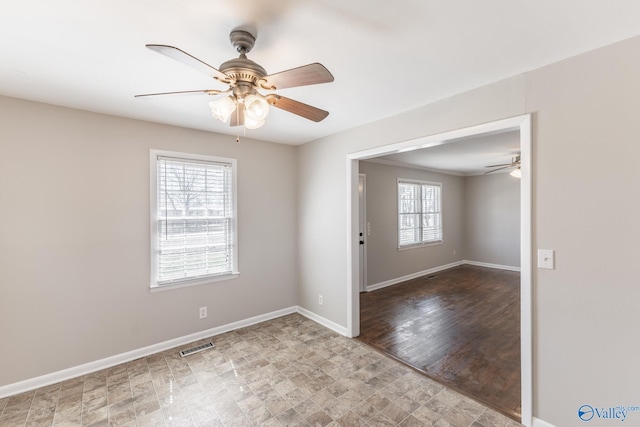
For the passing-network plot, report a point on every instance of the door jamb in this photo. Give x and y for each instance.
(365, 229)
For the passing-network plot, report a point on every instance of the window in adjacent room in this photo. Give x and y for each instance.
(419, 213)
(193, 219)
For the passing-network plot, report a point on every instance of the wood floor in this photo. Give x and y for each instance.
(461, 328)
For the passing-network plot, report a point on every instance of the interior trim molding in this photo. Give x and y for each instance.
(537, 422)
(107, 362)
(489, 265)
(323, 321)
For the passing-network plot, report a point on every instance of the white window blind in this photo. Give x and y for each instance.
(419, 213)
(195, 231)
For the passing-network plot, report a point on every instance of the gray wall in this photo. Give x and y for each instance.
(585, 151)
(492, 219)
(74, 237)
(481, 220)
(384, 260)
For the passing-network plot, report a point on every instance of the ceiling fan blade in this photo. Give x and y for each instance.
(495, 166)
(237, 117)
(192, 61)
(302, 76)
(296, 107)
(184, 92)
(496, 170)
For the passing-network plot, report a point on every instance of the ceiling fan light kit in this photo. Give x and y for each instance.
(250, 123)
(222, 108)
(256, 107)
(245, 105)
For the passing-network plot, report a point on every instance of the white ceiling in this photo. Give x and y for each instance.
(464, 156)
(387, 57)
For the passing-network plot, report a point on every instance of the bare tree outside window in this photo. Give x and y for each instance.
(194, 219)
(419, 213)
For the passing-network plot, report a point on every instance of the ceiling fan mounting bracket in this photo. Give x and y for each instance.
(242, 41)
(262, 82)
(224, 80)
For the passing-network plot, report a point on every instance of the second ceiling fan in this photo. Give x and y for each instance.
(244, 103)
(515, 163)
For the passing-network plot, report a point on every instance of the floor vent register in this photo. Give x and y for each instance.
(196, 349)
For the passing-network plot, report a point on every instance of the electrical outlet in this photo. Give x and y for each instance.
(203, 312)
(320, 300)
(454, 251)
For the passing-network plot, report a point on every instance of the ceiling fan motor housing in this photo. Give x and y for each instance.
(242, 69)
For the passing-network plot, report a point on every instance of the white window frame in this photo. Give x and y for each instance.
(420, 214)
(192, 281)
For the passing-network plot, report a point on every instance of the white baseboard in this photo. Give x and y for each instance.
(488, 265)
(412, 276)
(324, 322)
(87, 368)
(435, 270)
(537, 422)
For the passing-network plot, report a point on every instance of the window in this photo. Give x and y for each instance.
(419, 213)
(193, 219)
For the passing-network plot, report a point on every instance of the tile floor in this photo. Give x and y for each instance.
(285, 372)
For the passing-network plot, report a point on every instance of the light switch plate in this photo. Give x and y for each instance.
(546, 259)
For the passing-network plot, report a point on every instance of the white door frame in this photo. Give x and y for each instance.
(521, 123)
(362, 228)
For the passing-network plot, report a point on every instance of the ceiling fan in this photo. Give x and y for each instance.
(244, 104)
(515, 163)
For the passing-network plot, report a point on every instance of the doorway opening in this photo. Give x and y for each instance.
(522, 124)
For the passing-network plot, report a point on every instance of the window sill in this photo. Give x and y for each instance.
(194, 282)
(419, 245)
